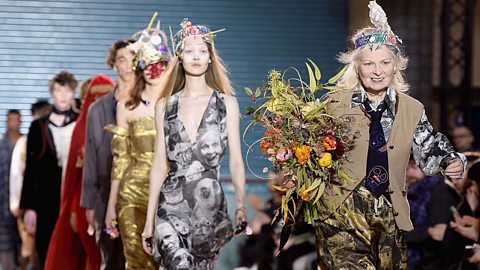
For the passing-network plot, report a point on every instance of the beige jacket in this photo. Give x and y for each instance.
(409, 111)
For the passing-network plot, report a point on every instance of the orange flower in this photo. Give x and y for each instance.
(329, 142)
(264, 144)
(267, 140)
(302, 153)
(304, 194)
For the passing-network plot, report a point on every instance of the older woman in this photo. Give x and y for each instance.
(390, 125)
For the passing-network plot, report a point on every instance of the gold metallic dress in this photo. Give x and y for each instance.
(133, 149)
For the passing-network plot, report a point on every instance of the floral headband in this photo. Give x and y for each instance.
(150, 48)
(383, 34)
(188, 30)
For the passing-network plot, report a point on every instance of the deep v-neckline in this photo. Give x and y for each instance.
(199, 124)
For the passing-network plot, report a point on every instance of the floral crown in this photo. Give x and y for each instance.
(382, 35)
(188, 30)
(150, 48)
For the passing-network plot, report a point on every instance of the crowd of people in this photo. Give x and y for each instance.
(128, 177)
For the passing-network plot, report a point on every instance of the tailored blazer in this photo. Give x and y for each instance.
(409, 112)
(97, 165)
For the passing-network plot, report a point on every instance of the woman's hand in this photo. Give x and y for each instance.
(454, 170)
(147, 242)
(241, 216)
(468, 227)
(30, 220)
(111, 222)
(147, 238)
(475, 259)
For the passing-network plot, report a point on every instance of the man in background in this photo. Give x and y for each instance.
(8, 225)
(98, 156)
(17, 169)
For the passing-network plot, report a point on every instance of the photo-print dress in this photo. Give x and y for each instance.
(192, 220)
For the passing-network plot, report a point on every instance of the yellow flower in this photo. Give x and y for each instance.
(308, 108)
(326, 160)
(304, 194)
(302, 153)
(273, 105)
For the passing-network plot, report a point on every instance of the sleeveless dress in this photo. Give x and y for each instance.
(133, 149)
(192, 220)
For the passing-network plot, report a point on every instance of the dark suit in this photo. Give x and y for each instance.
(96, 175)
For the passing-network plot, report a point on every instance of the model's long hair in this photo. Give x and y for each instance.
(216, 76)
(350, 79)
(136, 94)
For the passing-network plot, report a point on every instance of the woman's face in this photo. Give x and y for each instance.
(376, 68)
(62, 96)
(195, 56)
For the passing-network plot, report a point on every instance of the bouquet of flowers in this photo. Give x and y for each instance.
(303, 140)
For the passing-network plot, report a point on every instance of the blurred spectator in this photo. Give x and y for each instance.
(469, 226)
(419, 192)
(17, 169)
(462, 138)
(8, 225)
(445, 248)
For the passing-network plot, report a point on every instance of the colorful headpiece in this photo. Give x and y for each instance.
(188, 30)
(150, 48)
(382, 34)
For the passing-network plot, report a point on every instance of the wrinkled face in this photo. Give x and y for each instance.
(13, 122)
(169, 237)
(123, 64)
(376, 68)
(195, 57)
(210, 149)
(62, 96)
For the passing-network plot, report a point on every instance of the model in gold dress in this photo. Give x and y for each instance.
(133, 149)
(133, 146)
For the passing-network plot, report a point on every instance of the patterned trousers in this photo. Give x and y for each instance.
(364, 238)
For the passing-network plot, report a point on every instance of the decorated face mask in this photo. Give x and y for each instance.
(150, 49)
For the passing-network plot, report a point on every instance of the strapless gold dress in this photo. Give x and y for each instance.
(133, 150)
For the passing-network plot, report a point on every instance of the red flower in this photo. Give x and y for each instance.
(339, 151)
(329, 142)
(155, 70)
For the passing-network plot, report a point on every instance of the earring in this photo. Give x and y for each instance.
(209, 61)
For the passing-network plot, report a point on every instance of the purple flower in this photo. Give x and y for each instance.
(283, 154)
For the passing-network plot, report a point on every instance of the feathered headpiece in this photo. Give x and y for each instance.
(188, 30)
(382, 34)
(150, 48)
